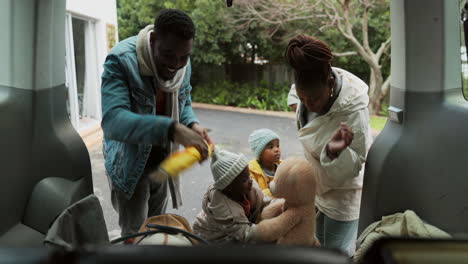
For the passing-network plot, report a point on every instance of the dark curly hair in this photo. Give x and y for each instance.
(310, 58)
(175, 22)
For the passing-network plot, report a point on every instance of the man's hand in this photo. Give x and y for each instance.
(203, 132)
(188, 137)
(342, 138)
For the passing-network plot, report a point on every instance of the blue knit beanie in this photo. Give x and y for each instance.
(259, 139)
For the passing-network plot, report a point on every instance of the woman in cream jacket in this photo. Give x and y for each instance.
(333, 123)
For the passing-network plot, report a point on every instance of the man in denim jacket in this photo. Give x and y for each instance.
(147, 112)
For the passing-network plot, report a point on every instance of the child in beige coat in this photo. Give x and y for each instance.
(233, 204)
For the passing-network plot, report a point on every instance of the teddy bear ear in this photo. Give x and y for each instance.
(284, 175)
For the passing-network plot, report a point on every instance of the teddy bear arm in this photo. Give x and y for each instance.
(270, 230)
(302, 234)
(297, 236)
(272, 210)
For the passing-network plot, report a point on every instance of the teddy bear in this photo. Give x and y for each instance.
(292, 222)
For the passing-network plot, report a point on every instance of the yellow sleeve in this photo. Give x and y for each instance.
(267, 192)
(259, 179)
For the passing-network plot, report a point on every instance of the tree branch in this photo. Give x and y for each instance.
(366, 55)
(365, 26)
(274, 31)
(383, 48)
(274, 18)
(386, 86)
(344, 54)
(272, 12)
(335, 18)
(343, 14)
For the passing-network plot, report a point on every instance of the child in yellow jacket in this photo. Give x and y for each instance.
(264, 144)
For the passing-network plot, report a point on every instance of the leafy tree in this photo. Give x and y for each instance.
(133, 15)
(214, 35)
(364, 24)
(216, 40)
(357, 30)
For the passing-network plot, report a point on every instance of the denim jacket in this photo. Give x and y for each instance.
(129, 122)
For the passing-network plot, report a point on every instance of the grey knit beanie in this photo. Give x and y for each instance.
(259, 139)
(226, 166)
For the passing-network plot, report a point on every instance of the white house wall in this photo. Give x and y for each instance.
(101, 12)
(105, 10)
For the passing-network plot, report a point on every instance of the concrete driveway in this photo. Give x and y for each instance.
(230, 130)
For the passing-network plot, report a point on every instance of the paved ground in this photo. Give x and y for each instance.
(230, 130)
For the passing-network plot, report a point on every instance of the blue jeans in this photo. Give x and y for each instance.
(149, 198)
(336, 234)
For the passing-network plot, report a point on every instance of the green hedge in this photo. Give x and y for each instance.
(228, 93)
(250, 96)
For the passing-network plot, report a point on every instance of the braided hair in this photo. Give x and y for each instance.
(311, 60)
